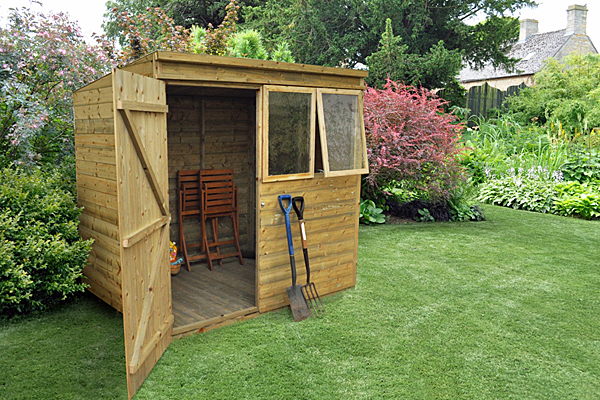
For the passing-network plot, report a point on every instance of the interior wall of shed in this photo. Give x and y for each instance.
(214, 128)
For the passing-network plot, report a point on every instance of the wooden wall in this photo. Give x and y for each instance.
(209, 130)
(97, 188)
(331, 216)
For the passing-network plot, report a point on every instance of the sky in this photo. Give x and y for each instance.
(551, 14)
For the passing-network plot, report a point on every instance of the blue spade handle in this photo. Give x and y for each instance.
(286, 212)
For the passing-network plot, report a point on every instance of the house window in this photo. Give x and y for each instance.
(290, 121)
(341, 130)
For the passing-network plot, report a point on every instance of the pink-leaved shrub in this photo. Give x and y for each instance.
(411, 140)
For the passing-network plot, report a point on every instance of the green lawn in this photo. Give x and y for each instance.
(508, 308)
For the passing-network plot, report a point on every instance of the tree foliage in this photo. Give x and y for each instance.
(411, 140)
(393, 61)
(346, 32)
(43, 59)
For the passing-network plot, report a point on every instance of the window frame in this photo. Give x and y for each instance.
(265, 147)
(323, 133)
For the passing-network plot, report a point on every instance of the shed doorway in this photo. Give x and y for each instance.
(213, 128)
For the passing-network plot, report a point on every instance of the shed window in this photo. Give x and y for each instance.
(290, 132)
(341, 132)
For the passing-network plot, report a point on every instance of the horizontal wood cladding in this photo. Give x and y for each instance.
(93, 111)
(114, 299)
(94, 126)
(97, 169)
(100, 95)
(331, 215)
(97, 189)
(207, 132)
(184, 132)
(98, 211)
(103, 272)
(172, 70)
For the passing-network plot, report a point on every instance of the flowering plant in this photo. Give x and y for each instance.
(151, 31)
(43, 59)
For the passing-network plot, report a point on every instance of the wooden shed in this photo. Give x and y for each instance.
(282, 128)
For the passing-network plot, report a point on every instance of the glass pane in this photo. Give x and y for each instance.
(342, 131)
(289, 133)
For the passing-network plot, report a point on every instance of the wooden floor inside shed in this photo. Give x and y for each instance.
(203, 295)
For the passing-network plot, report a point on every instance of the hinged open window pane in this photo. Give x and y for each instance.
(341, 130)
(289, 128)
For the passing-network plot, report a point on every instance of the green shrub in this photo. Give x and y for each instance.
(565, 93)
(576, 199)
(461, 204)
(519, 192)
(247, 44)
(41, 253)
(582, 166)
(370, 213)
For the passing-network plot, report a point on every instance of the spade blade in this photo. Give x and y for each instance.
(298, 304)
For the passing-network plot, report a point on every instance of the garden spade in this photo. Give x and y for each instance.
(298, 304)
(310, 290)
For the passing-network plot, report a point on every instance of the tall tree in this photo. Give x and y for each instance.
(346, 32)
(435, 68)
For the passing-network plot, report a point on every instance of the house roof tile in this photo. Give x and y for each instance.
(532, 53)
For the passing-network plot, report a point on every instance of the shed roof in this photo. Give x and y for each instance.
(192, 58)
(175, 66)
(531, 52)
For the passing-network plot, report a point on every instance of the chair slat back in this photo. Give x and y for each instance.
(218, 191)
(188, 186)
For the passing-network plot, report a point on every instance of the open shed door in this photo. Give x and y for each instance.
(142, 175)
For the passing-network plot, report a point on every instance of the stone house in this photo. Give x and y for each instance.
(489, 86)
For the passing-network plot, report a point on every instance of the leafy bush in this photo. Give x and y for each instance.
(41, 253)
(370, 213)
(248, 44)
(520, 193)
(582, 165)
(577, 199)
(424, 216)
(534, 192)
(463, 212)
(410, 139)
(565, 93)
(460, 204)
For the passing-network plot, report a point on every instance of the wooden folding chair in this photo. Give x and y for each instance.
(189, 207)
(219, 199)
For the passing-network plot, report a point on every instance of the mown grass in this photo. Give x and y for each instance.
(73, 352)
(507, 308)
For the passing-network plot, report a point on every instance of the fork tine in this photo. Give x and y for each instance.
(310, 300)
(313, 298)
(318, 298)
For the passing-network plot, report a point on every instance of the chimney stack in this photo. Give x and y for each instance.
(576, 20)
(528, 28)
